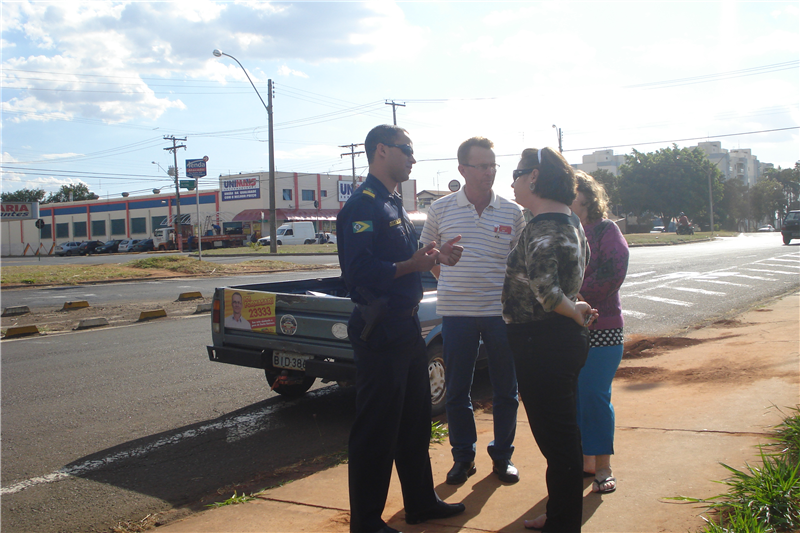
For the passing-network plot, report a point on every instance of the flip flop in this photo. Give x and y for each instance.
(601, 482)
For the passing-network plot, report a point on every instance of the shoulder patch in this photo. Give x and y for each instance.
(361, 226)
(393, 223)
(369, 192)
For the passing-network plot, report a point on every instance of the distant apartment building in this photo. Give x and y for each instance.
(426, 198)
(601, 159)
(737, 163)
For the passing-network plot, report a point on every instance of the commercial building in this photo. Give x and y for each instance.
(240, 204)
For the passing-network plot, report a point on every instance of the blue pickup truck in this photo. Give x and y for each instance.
(296, 331)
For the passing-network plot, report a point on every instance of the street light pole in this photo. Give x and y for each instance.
(558, 132)
(273, 237)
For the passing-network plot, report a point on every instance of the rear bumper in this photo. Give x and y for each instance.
(326, 370)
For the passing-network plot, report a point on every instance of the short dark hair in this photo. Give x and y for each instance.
(463, 150)
(383, 134)
(556, 179)
(595, 194)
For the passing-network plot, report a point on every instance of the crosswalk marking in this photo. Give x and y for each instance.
(718, 282)
(662, 300)
(770, 271)
(634, 314)
(699, 291)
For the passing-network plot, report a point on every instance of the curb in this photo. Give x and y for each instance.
(21, 331)
(80, 304)
(150, 315)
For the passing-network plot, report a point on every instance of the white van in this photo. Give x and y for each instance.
(293, 233)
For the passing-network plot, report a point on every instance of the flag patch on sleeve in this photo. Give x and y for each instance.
(362, 226)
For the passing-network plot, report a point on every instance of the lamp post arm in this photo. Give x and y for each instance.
(248, 79)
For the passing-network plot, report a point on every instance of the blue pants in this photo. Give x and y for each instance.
(393, 421)
(461, 336)
(595, 412)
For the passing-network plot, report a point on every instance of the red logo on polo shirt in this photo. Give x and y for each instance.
(503, 229)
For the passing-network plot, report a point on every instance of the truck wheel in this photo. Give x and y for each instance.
(786, 239)
(295, 386)
(436, 375)
(279, 243)
(309, 241)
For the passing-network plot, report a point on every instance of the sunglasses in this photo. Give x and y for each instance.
(484, 168)
(405, 148)
(521, 172)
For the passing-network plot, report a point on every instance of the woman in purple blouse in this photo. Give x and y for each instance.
(603, 277)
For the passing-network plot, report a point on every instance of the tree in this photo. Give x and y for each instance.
(734, 206)
(610, 184)
(766, 199)
(668, 182)
(71, 193)
(23, 195)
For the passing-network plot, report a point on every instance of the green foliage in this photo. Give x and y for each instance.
(766, 198)
(668, 182)
(439, 432)
(232, 500)
(78, 192)
(23, 195)
(765, 499)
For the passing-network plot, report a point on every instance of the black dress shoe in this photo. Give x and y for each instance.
(460, 472)
(506, 471)
(440, 510)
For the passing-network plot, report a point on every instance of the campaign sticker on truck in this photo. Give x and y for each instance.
(288, 325)
(248, 310)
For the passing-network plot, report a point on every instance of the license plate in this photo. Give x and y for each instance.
(289, 361)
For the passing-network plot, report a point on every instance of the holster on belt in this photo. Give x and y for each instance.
(373, 312)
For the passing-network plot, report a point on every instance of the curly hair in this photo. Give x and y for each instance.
(595, 195)
(556, 179)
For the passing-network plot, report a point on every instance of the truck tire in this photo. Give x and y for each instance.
(436, 375)
(309, 241)
(787, 238)
(289, 390)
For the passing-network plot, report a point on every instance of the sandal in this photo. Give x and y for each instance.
(532, 524)
(609, 480)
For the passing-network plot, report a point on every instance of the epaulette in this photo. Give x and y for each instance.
(369, 192)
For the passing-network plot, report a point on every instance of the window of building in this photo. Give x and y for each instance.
(118, 226)
(98, 228)
(323, 194)
(308, 195)
(79, 229)
(287, 194)
(62, 230)
(155, 222)
(47, 231)
(138, 225)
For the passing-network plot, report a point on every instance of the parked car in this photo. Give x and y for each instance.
(109, 247)
(67, 248)
(142, 246)
(89, 247)
(657, 229)
(125, 245)
(766, 227)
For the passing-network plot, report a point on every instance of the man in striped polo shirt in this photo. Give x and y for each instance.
(469, 302)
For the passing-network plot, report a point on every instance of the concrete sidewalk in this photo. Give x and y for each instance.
(680, 413)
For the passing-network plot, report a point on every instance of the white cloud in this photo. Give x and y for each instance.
(286, 71)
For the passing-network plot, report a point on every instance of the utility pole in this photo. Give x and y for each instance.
(394, 121)
(177, 221)
(273, 230)
(352, 155)
(558, 131)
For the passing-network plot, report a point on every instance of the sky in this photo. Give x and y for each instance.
(91, 89)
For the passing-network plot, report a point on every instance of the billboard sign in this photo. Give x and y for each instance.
(196, 168)
(240, 189)
(345, 190)
(19, 210)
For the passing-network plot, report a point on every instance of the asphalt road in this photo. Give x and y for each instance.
(109, 425)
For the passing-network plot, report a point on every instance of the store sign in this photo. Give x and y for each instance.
(240, 189)
(196, 168)
(20, 210)
(345, 190)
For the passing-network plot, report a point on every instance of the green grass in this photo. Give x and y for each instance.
(765, 498)
(233, 500)
(439, 432)
(257, 249)
(645, 239)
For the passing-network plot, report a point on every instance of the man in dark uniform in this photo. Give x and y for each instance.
(381, 265)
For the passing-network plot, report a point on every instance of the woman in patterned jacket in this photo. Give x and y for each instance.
(547, 327)
(601, 283)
